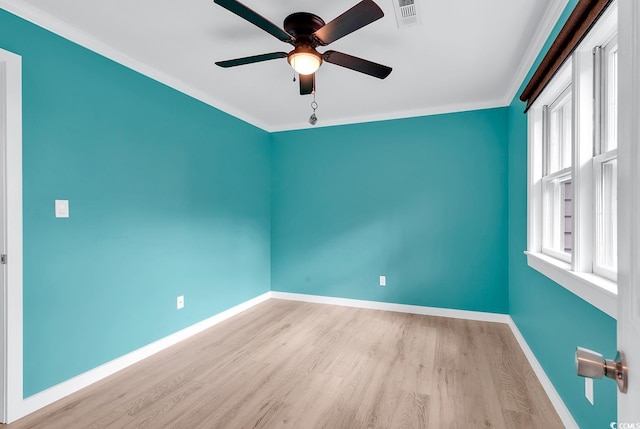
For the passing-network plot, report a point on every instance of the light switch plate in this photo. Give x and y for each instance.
(62, 208)
(588, 389)
(180, 302)
(383, 280)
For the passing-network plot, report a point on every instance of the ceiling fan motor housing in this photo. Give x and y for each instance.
(302, 25)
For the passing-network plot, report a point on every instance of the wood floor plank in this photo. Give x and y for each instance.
(412, 411)
(284, 364)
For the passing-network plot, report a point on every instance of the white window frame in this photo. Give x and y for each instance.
(602, 134)
(552, 212)
(576, 273)
(552, 221)
(598, 162)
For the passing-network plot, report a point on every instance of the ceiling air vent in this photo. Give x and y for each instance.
(407, 13)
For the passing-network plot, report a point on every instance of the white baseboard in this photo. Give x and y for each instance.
(552, 393)
(59, 391)
(55, 393)
(399, 308)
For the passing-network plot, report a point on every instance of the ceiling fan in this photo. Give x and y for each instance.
(306, 31)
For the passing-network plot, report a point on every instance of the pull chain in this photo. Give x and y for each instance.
(313, 118)
(294, 68)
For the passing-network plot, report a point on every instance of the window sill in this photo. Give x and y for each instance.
(597, 291)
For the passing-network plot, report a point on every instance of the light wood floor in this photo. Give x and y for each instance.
(285, 364)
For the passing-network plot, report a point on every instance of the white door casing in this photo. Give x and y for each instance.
(11, 301)
(3, 233)
(629, 206)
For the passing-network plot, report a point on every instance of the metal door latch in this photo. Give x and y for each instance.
(591, 364)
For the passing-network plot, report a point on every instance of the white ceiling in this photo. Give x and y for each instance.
(466, 54)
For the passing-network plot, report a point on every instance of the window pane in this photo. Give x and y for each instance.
(612, 101)
(567, 215)
(607, 217)
(548, 204)
(557, 206)
(565, 141)
(558, 152)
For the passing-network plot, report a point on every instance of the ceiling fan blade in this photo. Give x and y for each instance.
(252, 59)
(307, 83)
(256, 19)
(358, 64)
(362, 14)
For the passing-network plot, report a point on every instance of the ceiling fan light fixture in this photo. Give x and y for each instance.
(304, 61)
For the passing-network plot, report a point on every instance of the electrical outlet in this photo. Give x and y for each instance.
(180, 302)
(383, 280)
(588, 389)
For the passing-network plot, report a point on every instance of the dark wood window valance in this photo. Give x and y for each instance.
(584, 15)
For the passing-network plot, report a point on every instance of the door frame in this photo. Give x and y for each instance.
(11, 363)
(629, 203)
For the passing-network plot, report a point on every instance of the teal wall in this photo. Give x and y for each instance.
(553, 320)
(421, 200)
(168, 197)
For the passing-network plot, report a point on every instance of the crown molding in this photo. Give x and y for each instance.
(63, 29)
(399, 114)
(75, 35)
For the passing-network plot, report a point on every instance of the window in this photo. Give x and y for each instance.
(605, 162)
(572, 219)
(556, 180)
